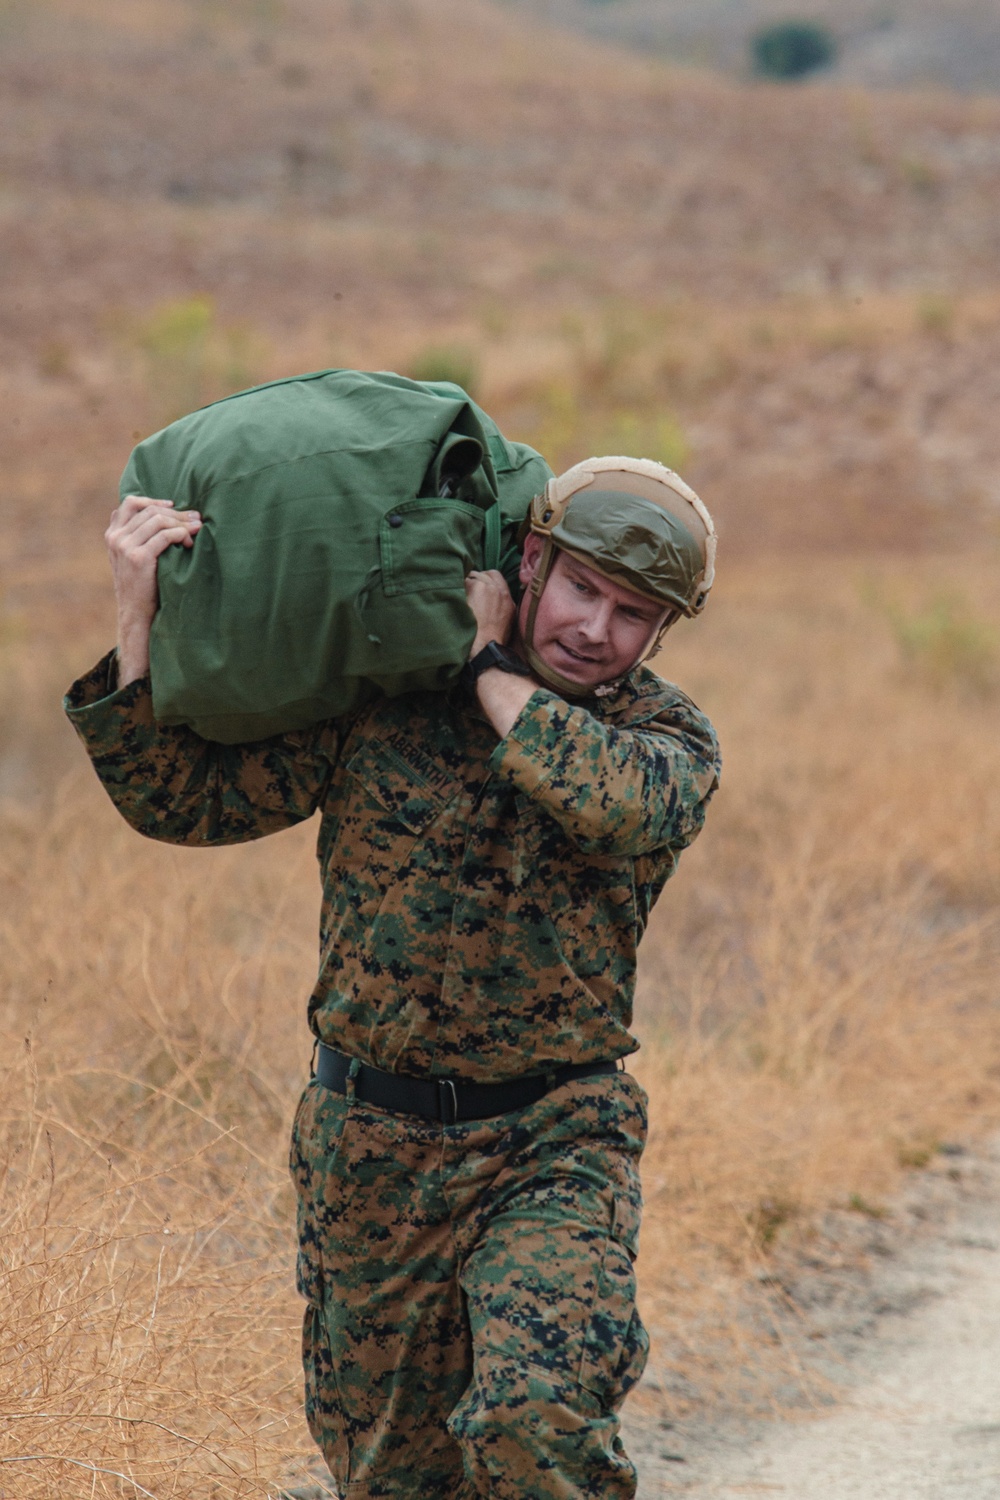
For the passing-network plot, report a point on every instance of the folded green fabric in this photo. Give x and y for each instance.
(342, 511)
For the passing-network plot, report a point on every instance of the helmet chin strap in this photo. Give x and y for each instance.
(673, 615)
(565, 686)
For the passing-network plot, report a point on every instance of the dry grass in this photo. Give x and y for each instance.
(153, 1043)
(818, 1006)
(794, 291)
(798, 291)
(820, 986)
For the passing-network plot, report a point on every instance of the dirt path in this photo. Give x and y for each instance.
(920, 1338)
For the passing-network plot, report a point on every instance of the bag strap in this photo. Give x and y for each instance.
(491, 536)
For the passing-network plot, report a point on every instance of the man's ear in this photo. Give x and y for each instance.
(531, 556)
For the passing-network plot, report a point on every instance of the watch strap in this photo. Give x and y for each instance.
(492, 655)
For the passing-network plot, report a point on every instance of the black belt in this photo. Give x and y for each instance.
(445, 1099)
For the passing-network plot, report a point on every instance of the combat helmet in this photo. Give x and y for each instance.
(636, 523)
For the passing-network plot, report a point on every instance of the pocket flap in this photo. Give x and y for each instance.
(408, 792)
(430, 544)
(625, 1220)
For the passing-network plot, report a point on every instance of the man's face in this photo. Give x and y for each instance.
(587, 629)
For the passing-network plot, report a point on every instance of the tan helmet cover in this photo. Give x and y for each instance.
(670, 577)
(649, 481)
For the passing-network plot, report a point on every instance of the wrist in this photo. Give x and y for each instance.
(133, 655)
(131, 669)
(492, 658)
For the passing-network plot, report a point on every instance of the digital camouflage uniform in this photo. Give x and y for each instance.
(470, 1327)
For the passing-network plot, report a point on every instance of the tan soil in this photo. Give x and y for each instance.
(914, 1337)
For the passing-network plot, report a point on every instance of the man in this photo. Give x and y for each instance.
(466, 1155)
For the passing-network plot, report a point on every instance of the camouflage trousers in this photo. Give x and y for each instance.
(471, 1326)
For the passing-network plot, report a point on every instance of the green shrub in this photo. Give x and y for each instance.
(858, 1205)
(174, 339)
(945, 643)
(936, 313)
(790, 49)
(452, 362)
(660, 438)
(921, 175)
(190, 359)
(768, 1217)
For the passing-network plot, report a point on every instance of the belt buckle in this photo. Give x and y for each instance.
(447, 1102)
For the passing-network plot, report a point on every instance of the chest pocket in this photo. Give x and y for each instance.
(411, 796)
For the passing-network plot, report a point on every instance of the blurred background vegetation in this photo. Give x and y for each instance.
(905, 44)
(792, 294)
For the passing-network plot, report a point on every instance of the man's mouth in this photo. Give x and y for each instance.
(586, 661)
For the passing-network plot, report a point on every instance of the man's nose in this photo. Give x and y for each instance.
(596, 623)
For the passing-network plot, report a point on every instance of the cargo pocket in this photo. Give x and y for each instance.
(616, 1343)
(322, 1188)
(322, 1191)
(323, 1408)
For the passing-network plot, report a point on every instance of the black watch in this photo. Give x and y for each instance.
(492, 655)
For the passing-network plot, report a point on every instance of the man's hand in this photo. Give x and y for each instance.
(491, 603)
(140, 529)
(501, 694)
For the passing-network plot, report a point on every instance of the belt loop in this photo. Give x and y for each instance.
(349, 1081)
(312, 1060)
(448, 1101)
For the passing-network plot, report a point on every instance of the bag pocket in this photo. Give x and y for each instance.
(430, 544)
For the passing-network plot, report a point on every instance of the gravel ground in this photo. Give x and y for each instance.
(909, 1328)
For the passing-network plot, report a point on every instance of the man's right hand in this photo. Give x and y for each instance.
(140, 529)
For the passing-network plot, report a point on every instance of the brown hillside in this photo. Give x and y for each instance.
(788, 293)
(460, 119)
(791, 296)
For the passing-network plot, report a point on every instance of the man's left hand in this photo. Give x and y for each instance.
(491, 603)
(501, 694)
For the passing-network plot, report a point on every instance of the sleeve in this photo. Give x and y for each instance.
(170, 784)
(614, 790)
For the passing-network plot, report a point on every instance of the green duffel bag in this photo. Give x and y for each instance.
(342, 511)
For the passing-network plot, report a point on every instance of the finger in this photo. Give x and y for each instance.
(132, 544)
(132, 504)
(164, 539)
(155, 508)
(146, 523)
(138, 559)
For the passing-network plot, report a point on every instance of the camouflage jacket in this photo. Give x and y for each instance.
(483, 900)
